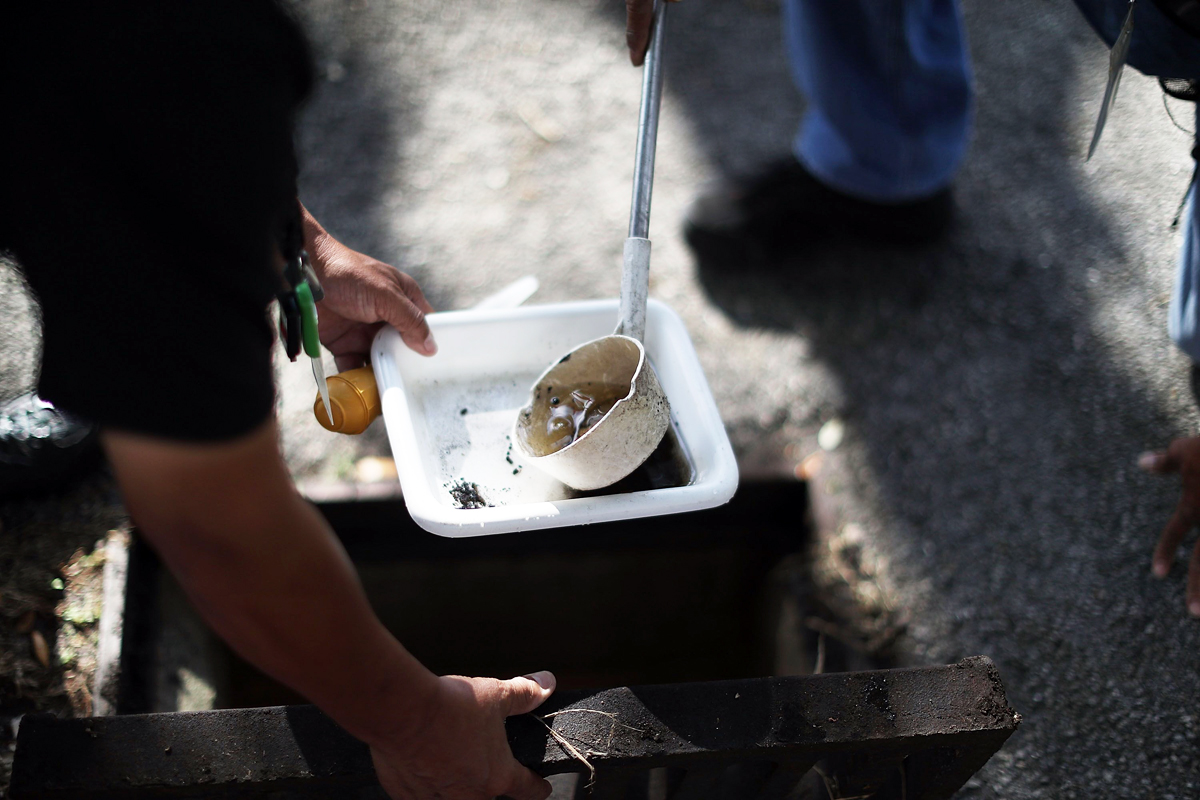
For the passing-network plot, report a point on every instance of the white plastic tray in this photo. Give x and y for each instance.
(449, 418)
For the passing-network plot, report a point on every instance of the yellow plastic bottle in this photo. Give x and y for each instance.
(355, 400)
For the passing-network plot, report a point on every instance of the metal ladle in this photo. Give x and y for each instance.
(626, 436)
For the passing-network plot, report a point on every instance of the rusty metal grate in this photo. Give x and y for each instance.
(907, 734)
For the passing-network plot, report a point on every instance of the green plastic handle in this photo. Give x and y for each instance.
(308, 320)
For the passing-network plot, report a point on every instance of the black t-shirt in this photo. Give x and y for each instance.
(146, 172)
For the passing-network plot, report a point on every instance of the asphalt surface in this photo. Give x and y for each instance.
(996, 388)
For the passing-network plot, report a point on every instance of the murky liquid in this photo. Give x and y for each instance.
(572, 412)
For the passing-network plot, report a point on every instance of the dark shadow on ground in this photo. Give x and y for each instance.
(999, 430)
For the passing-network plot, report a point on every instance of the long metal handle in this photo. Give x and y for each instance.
(643, 170)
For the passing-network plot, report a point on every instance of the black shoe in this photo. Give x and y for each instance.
(42, 447)
(784, 206)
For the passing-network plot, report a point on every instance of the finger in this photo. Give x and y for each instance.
(1163, 461)
(348, 361)
(1164, 554)
(399, 311)
(525, 784)
(638, 14)
(1193, 589)
(528, 692)
(413, 290)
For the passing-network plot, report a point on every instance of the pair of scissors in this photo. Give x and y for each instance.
(298, 319)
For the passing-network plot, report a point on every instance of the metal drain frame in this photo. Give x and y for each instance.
(911, 734)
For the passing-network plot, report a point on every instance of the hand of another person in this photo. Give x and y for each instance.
(362, 294)
(461, 751)
(638, 16)
(1182, 456)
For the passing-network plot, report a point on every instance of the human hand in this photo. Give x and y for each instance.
(461, 751)
(362, 294)
(1182, 456)
(638, 16)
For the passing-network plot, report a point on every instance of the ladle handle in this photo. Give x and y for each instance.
(643, 167)
(635, 278)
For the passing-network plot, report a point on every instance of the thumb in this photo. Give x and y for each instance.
(528, 692)
(1158, 463)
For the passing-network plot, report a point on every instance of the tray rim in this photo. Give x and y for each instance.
(714, 488)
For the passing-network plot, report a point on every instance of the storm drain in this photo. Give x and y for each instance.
(687, 615)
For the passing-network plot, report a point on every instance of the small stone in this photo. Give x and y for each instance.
(496, 178)
(831, 434)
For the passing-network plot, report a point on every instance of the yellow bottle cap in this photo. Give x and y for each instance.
(355, 400)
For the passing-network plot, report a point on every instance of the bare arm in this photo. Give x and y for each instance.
(268, 575)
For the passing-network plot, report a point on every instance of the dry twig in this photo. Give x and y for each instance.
(570, 749)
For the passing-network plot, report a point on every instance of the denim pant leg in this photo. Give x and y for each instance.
(888, 85)
(1183, 316)
(1183, 319)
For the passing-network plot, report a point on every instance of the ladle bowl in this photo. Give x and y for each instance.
(627, 435)
(623, 439)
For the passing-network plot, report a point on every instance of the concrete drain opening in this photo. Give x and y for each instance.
(691, 597)
(678, 621)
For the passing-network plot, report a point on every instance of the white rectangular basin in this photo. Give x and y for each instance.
(449, 419)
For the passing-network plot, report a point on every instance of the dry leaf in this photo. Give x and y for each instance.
(40, 649)
(808, 469)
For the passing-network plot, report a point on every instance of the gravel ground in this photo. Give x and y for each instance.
(995, 389)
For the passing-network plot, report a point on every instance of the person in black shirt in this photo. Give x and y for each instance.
(146, 175)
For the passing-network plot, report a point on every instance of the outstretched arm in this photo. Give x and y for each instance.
(268, 575)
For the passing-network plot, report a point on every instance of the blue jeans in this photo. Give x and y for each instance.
(888, 84)
(889, 95)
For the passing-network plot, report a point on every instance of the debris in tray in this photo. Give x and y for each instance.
(508, 457)
(466, 494)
